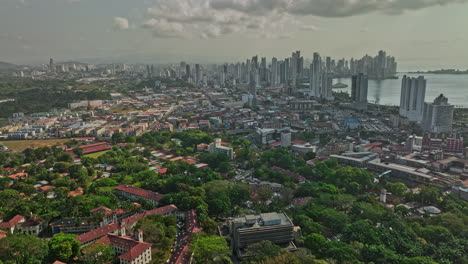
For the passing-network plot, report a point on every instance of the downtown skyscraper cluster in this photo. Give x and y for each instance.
(290, 73)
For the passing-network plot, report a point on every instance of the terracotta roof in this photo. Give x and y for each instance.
(13, 221)
(158, 211)
(134, 248)
(162, 171)
(97, 233)
(46, 188)
(18, 176)
(93, 145)
(102, 209)
(59, 262)
(140, 192)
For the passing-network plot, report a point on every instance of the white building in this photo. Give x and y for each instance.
(326, 91)
(438, 116)
(413, 93)
(217, 147)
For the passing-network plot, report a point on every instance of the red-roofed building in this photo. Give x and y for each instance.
(77, 192)
(162, 171)
(129, 251)
(110, 216)
(18, 176)
(130, 222)
(93, 235)
(13, 223)
(92, 148)
(134, 194)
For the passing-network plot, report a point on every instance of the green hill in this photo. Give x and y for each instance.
(7, 66)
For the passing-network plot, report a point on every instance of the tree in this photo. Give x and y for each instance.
(418, 260)
(118, 138)
(78, 152)
(210, 249)
(23, 248)
(263, 250)
(316, 243)
(264, 193)
(63, 247)
(380, 254)
(96, 254)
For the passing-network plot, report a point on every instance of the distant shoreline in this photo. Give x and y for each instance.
(443, 71)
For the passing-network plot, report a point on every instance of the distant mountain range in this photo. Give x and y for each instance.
(4, 66)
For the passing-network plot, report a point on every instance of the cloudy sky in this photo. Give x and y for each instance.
(422, 34)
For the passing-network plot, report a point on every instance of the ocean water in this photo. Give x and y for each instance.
(387, 92)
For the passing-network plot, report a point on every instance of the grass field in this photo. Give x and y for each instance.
(20, 145)
(97, 154)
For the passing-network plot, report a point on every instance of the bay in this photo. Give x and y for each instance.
(387, 92)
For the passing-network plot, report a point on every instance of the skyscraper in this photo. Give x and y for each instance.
(274, 72)
(326, 91)
(197, 73)
(315, 75)
(51, 65)
(413, 93)
(359, 90)
(438, 116)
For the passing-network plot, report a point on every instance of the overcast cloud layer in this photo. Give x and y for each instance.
(420, 33)
(272, 18)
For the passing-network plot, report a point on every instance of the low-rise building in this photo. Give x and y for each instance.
(251, 229)
(217, 147)
(135, 194)
(127, 249)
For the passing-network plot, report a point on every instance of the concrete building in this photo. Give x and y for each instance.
(251, 229)
(286, 139)
(414, 143)
(315, 75)
(217, 147)
(359, 90)
(355, 159)
(326, 91)
(413, 93)
(438, 116)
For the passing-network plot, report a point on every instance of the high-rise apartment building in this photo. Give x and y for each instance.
(359, 90)
(326, 91)
(438, 116)
(274, 72)
(315, 75)
(413, 93)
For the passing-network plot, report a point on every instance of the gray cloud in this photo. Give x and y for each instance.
(121, 23)
(328, 8)
(165, 29)
(215, 18)
(196, 19)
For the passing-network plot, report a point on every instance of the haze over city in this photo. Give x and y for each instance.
(422, 34)
(233, 131)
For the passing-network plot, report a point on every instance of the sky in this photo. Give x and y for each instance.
(421, 34)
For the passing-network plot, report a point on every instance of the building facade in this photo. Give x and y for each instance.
(438, 116)
(413, 93)
(359, 90)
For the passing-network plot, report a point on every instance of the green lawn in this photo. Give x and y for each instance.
(97, 154)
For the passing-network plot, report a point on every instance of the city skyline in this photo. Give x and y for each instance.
(171, 31)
